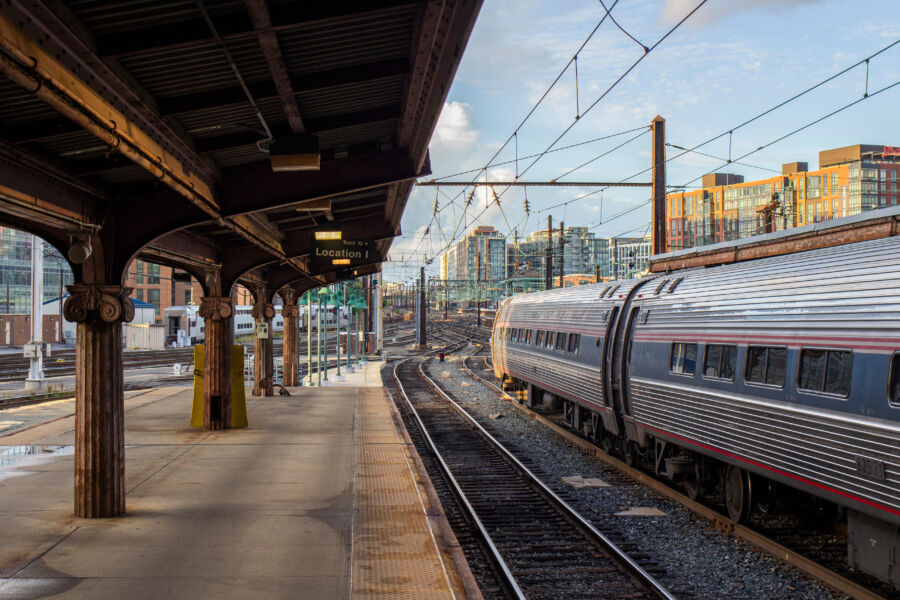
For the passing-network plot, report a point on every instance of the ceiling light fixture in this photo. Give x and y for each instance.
(299, 153)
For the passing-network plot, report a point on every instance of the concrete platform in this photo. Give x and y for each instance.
(319, 498)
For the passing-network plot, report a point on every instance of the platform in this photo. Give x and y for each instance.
(318, 498)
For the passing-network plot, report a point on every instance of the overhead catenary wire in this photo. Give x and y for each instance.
(867, 96)
(596, 101)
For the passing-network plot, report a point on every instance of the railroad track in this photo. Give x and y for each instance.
(539, 546)
(15, 368)
(799, 557)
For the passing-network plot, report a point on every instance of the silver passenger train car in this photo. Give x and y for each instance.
(769, 377)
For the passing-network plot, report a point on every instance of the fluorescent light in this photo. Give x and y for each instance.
(340, 261)
(299, 153)
(328, 235)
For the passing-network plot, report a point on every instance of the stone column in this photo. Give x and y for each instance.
(217, 313)
(99, 311)
(290, 311)
(263, 364)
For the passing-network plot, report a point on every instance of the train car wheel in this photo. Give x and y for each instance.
(737, 494)
(693, 484)
(630, 453)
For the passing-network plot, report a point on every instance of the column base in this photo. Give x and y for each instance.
(34, 385)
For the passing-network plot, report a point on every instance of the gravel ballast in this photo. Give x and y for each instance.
(696, 560)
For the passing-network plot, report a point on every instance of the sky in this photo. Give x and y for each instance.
(730, 61)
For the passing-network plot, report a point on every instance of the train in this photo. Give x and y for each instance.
(776, 379)
(184, 325)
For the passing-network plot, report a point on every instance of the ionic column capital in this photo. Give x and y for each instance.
(109, 303)
(290, 310)
(216, 308)
(263, 310)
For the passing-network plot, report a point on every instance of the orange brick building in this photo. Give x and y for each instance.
(162, 286)
(849, 180)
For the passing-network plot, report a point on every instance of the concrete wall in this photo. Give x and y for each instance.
(145, 336)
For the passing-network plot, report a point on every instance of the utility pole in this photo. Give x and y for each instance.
(422, 338)
(477, 286)
(615, 260)
(516, 255)
(562, 256)
(658, 185)
(596, 273)
(548, 263)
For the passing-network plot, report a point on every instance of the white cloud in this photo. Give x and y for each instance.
(455, 128)
(675, 10)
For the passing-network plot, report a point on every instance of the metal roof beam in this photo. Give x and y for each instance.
(268, 41)
(235, 25)
(305, 82)
(330, 123)
(254, 187)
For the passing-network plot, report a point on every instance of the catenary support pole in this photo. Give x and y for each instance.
(548, 264)
(562, 255)
(658, 185)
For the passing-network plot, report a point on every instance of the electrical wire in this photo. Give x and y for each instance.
(595, 102)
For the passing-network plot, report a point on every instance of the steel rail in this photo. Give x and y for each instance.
(617, 554)
(720, 521)
(504, 572)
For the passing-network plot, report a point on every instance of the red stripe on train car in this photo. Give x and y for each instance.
(821, 486)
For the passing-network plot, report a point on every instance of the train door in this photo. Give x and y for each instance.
(609, 420)
(626, 362)
(619, 345)
(173, 325)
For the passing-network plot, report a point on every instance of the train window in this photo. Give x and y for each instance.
(720, 361)
(539, 338)
(551, 338)
(560, 341)
(574, 342)
(684, 358)
(766, 365)
(894, 389)
(826, 371)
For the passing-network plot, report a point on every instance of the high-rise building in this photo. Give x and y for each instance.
(628, 256)
(582, 253)
(849, 181)
(479, 256)
(15, 272)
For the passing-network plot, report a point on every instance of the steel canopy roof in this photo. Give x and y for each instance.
(127, 119)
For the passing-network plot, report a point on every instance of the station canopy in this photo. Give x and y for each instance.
(220, 135)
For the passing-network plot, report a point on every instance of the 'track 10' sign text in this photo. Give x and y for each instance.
(332, 254)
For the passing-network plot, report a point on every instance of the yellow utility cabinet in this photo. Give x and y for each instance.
(238, 399)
